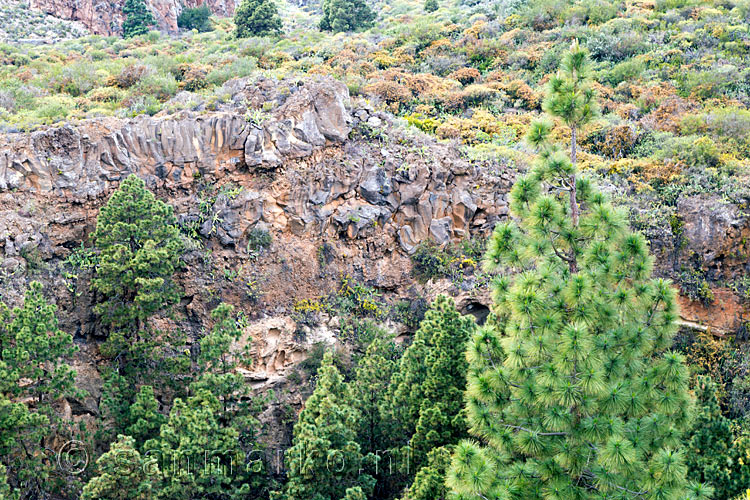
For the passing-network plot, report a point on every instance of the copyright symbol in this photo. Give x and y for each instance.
(72, 458)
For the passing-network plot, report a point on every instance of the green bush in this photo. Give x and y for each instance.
(196, 18)
(161, 87)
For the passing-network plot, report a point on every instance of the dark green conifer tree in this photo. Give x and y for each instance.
(325, 459)
(138, 18)
(346, 15)
(34, 374)
(218, 363)
(369, 388)
(574, 392)
(6, 492)
(375, 432)
(431, 5)
(429, 482)
(139, 251)
(715, 455)
(426, 399)
(256, 18)
(197, 18)
(140, 248)
(201, 457)
(145, 417)
(123, 474)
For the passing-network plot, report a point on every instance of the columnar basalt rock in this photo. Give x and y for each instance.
(324, 182)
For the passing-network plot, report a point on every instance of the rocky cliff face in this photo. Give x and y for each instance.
(104, 17)
(344, 190)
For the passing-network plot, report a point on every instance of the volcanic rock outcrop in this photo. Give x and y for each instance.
(104, 17)
(403, 190)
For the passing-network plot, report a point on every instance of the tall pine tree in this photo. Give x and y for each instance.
(714, 454)
(140, 246)
(425, 400)
(34, 375)
(218, 362)
(574, 392)
(201, 457)
(324, 461)
(123, 473)
(139, 251)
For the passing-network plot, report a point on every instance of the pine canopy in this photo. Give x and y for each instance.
(573, 392)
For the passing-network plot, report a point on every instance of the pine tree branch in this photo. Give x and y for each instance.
(517, 427)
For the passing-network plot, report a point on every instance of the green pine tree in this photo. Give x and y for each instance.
(429, 482)
(573, 392)
(714, 454)
(369, 388)
(441, 420)
(375, 432)
(431, 5)
(34, 375)
(256, 18)
(140, 248)
(139, 251)
(6, 491)
(201, 458)
(426, 399)
(21, 432)
(123, 474)
(196, 18)
(325, 458)
(138, 18)
(346, 15)
(218, 364)
(144, 413)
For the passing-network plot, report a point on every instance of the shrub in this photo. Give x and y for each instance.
(195, 18)
(614, 142)
(257, 240)
(431, 6)
(465, 75)
(132, 74)
(193, 77)
(616, 42)
(429, 261)
(626, 70)
(238, 68)
(392, 93)
(256, 18)
(161, 87)
(54, 108)
(693, 284)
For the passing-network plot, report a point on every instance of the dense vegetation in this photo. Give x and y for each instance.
(578, 385)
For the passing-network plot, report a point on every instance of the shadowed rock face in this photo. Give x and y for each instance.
(104, 17)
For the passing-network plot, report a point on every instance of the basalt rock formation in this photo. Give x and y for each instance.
(104, 17)
(344, 190)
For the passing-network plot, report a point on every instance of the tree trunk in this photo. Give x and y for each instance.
(573, 196)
